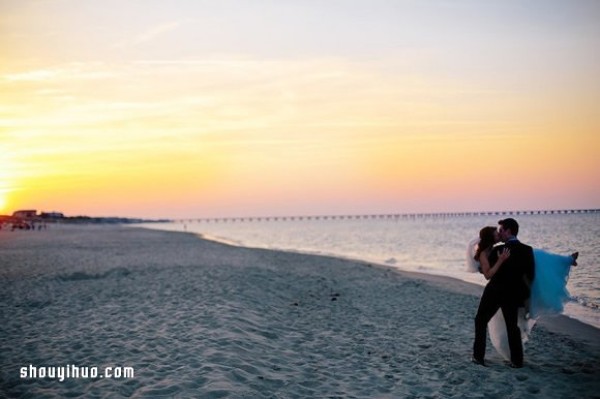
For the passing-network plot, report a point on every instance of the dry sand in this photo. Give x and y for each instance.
(202, 319)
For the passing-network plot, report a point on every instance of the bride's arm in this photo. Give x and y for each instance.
(489, 271)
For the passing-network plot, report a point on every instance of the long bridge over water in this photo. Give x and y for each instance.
(392, 216)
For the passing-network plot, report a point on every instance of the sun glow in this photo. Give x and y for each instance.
(3, 197)
(8, 177)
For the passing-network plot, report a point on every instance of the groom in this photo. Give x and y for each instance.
(507, 290)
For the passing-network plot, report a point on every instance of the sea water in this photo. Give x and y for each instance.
(434, 244)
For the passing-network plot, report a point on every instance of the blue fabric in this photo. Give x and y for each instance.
(548, 295)
(549, 292)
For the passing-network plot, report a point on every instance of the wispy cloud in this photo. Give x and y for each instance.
(150, 34)
(36, 75)
(74, 71)
(226, 94)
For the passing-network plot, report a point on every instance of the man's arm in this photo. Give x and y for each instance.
(494, 254)
(490, 270)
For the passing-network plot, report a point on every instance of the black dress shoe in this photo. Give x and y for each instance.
(478, 361)
(515, 366)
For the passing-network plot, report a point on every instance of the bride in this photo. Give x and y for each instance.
(548, 291)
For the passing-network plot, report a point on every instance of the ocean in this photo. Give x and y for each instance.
(434, 244)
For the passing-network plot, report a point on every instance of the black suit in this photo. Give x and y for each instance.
(508, 290)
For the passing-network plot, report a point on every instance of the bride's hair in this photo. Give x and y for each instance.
(487, 240)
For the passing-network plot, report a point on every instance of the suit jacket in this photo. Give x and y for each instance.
(516, 274)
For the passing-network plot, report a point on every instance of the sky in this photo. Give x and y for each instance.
(194, 108)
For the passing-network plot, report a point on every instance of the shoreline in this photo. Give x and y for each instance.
(556, 323)
(561, 324)
(201, 318)
(573, 309)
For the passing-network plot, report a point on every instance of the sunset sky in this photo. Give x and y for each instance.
(146, 108)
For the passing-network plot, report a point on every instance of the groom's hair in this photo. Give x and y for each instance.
(510, 224)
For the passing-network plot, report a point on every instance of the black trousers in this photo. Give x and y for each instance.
(492, 300)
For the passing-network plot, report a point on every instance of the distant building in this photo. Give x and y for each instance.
(25, 214)
(52, 215)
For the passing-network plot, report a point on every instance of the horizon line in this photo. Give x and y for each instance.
(389, 215)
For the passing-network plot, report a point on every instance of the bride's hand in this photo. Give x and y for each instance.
(504, 254)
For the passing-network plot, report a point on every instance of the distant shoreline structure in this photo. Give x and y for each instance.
(418, 215)
(29, 219)
(56, 217)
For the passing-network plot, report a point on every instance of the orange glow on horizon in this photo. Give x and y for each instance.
(152, 123)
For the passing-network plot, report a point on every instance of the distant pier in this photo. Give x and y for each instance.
(393, 216)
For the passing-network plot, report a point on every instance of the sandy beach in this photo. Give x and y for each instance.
(196, 318)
